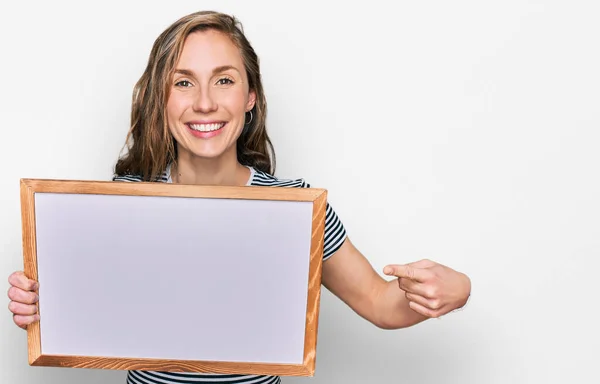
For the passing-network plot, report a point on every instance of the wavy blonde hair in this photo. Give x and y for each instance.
(150, 145)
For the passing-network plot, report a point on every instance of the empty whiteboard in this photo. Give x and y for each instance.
(173, 277)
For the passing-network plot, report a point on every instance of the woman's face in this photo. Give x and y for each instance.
(209, 96)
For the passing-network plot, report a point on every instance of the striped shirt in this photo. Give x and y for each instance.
(335, 234)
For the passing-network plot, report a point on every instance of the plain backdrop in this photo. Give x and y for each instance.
(467, 132)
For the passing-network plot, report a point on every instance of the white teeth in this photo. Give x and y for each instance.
(206, 127)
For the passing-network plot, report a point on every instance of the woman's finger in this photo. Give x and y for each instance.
(430, 304)
(424, 310)
(19, 280)
(24, 321)
(417, 288)
(21, 296)
(22, 309)
(407, 285)
(407, 272)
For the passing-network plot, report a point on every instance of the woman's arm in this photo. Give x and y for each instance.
(420, 291)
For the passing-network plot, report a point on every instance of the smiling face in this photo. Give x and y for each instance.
(209, 97)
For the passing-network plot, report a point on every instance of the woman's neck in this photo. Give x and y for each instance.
(199, 171)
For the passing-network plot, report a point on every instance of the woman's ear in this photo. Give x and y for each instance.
(251, 100)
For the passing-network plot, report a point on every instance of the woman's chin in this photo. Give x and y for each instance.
(206, 152)
(219, 146)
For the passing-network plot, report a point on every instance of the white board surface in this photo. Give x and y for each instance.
(173, 278)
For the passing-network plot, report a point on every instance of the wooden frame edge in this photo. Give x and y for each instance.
(34, 346)
(172, 190)
(218, 367)
(314, 284)
(317, 196)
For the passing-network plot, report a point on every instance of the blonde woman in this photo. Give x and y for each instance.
(198, 117)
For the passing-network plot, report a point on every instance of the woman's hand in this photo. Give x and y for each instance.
(23, 297)
(432, 289)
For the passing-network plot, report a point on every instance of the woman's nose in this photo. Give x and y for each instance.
(204, 102)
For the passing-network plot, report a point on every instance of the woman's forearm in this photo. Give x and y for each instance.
(392, 310)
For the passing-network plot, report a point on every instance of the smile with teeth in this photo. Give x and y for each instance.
(206, 127)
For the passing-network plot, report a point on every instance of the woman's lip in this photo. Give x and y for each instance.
(205, 126)
(206, 122)
(205, 131)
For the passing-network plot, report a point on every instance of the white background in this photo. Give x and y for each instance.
(463, 131)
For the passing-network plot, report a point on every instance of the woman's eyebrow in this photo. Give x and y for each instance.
(222, 68)
(185, 72)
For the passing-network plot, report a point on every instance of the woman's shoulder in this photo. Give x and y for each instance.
(260, 178)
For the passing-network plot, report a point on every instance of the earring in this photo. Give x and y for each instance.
(251, 117)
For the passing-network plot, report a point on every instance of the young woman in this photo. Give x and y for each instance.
(198, 117)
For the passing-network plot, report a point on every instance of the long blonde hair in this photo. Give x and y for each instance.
(150, 145)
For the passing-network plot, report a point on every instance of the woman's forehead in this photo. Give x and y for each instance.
(206, 50)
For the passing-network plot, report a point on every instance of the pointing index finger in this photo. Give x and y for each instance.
(405, 271)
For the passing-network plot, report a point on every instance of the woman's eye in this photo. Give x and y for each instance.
(224, 81)
(183, 83)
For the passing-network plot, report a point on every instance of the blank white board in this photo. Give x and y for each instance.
(176, 278)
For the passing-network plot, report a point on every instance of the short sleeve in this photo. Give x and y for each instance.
(335, 233)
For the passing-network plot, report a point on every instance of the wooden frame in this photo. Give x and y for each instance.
(29, 188)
